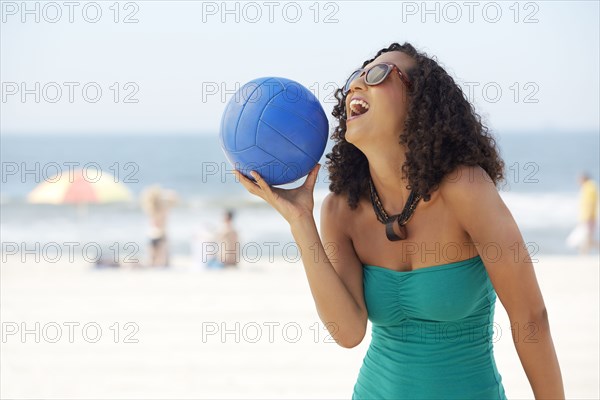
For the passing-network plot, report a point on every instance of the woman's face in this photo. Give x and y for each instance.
(387, 103)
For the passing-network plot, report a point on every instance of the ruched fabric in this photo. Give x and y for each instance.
(432, 334)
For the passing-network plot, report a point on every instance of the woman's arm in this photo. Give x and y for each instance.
(472, 196)
(336, 280)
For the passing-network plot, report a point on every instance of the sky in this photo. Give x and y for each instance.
(149, 67)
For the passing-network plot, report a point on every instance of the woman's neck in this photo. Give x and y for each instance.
(386, 173)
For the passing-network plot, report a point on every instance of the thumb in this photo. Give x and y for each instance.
(312, 177)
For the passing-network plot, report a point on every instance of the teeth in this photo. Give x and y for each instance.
(355, 102)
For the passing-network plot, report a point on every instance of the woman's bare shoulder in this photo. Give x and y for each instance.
(336, 207)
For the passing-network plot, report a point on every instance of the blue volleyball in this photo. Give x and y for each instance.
(274, 126)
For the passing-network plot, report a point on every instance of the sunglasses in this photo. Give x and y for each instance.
(375, 75)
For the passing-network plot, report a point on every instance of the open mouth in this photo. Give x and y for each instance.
(358, 107)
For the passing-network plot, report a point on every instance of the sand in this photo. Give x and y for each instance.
(160, 332)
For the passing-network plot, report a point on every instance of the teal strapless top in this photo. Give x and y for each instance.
(432, 334)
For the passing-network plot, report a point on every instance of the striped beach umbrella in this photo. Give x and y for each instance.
(81, 186)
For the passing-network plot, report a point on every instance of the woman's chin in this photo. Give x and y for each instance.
(355, 132)
(350, 135)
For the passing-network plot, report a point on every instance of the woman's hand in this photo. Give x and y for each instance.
(292, 204)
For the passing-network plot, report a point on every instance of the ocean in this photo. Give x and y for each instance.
(541, 190)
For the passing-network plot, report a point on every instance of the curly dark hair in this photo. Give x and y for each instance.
(442, 131)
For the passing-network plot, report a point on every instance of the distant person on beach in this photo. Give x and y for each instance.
(156, 203)
(227, 242)
(588, 214)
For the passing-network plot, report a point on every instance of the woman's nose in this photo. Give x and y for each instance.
(358, 81)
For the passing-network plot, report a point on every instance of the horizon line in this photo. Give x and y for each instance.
(215, 132)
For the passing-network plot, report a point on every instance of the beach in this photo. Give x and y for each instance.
(72, 331)
(187, 332)
(123, 125)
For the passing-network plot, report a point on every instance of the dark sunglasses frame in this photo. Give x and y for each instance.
(361, 71)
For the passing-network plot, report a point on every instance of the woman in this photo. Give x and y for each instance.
(157, 203)
(421, 239)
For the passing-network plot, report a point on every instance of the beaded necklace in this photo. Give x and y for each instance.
(402, 218)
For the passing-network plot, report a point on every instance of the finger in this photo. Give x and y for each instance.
(247, 183)
(260, 181)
